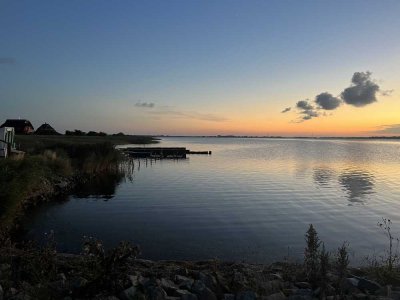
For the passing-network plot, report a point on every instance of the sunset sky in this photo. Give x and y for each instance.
(203, 67)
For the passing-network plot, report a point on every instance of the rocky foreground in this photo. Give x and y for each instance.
(143, 279)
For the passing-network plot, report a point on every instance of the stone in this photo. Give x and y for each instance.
(276, 296)
(229, 297)
(129, 293)
(208, 279)
(272, 286)
(168, 285)
(300, 297)
(180, 293)
(78, 282)
(276, 276)
(368, 285)
(198, 287)
(360, 296)
(143, 280)
(189, 296)
(134, 279)
(156, 293)
(203, 293)
(207, 294)
(304, 292)
(303, 285)
(184, 282)
(250, 295)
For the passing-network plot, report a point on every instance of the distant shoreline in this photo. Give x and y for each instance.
(284, 137)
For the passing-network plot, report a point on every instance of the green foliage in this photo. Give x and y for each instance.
(391, 256)
(323, 270)
(341, 265)
(23, 179)
(311, 255)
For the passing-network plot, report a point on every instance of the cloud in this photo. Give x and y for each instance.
(145, 104)
(362, 91)
(393, 129)
(327, 101)
(386, 93)
(188, 115)
(7, 61)
(286, 110)
(306, 110)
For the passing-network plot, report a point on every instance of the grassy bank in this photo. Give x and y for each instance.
(53, 165)
(38, 143)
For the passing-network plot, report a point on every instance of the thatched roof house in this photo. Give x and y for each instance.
(21, 126)
(46, 129)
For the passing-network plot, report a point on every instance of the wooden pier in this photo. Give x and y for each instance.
(161, 152)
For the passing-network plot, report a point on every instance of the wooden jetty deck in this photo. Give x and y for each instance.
(161, 152)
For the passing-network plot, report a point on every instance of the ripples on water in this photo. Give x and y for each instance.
(252, 199)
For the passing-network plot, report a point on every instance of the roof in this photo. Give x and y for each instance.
(46, 129)
(16, 123)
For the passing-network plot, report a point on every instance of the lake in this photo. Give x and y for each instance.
(251, 200)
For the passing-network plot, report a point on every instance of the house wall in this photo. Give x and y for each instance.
(3, 146)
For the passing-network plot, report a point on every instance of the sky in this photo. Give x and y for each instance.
(315, 68)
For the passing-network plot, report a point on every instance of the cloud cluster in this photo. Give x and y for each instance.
(306, 110)
(327, 101)
(362, 91)
(145, 104)
(171, 113)
(393, 129)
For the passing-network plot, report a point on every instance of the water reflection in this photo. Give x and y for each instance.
(102, 186)
(323, 176)
(357, 184)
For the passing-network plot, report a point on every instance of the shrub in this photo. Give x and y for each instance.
(311, 255)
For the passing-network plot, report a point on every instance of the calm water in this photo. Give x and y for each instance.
(252, 200)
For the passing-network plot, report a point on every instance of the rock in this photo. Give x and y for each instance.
(239, 279)
(144, 262)
(180, 293)
(172, 298)
(134, 279)
(363, 284)
(203, 293)
(189, 296)
(272, 286)
(368, 285)
(184, 282)
(156, 293)
(360, 296)
(77, 283)
(209, 280)
(289, 292)
(1, 293)
(143, 280)
(129, 293)
(303, 285)
(276, 276)
(198, 286)
(13, 291)
(276, 296)
(222, 282)
(168, 285)
(229, 297)
(304, 292)
(250, 295)
(300, 297)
